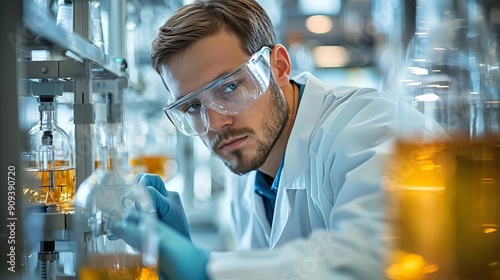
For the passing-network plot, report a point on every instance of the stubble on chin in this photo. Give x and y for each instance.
(240, 161)
(272, 126)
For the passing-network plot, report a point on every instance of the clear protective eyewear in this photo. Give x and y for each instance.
(228, 95)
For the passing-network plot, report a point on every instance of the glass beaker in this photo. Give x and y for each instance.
(444, 191)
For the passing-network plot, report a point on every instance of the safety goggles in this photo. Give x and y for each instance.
(228, 95)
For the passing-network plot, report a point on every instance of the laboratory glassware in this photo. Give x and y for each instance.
(50, 160)
(110, 195)
(443, 187)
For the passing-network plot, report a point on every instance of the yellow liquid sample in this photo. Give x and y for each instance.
(55, 186)
(110, 267)
(150, 164)
(444, 201)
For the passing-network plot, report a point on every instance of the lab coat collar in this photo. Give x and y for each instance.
(295, 154)
(308, 113)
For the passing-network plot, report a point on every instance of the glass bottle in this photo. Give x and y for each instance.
(64, 17)
(50, 160)
(97, 36)
(110, 195)
(444, 188)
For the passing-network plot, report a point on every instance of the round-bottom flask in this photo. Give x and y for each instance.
(50, 161)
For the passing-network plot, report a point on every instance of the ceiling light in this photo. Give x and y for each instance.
(427, 97)
(319, 24)
(330, 56)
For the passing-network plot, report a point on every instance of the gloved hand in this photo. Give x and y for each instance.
(168, 204)
(178, 258)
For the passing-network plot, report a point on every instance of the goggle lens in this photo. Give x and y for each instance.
(228, 95)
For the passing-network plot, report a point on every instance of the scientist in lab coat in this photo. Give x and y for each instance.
(310, 205)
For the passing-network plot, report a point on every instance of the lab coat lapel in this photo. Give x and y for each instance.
(282, 212)
(295, 155)
(308, 113)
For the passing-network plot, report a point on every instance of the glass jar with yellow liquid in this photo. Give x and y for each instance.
(152, 142)
(109, 195)
(444, 192)
(50, 161)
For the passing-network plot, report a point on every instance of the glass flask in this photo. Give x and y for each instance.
(110, 195)
(50, 160)
(443, 190)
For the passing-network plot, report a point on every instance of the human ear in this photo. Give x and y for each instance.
(280, 65)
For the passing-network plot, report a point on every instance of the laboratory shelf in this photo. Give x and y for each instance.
(45, 27)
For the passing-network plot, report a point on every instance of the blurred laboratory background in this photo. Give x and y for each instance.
(69, 55)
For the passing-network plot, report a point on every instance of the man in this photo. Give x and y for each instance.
(311, 207)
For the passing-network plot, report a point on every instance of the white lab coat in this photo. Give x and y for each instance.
(328, 221)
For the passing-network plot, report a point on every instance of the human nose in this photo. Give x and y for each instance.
(216, 121)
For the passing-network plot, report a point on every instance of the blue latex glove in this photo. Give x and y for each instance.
(178, 258)
(168, 204)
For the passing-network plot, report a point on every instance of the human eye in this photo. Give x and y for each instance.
(230, 88)
(191, 108)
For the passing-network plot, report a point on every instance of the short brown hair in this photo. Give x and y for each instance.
(244, 18)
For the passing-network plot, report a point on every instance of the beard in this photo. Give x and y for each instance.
(272, 125)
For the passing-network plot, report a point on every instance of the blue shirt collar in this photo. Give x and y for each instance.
(265, 185)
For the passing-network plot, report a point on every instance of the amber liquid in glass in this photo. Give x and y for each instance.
(122, 266)
(150, 164)
(444, 201)
(55, 186)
